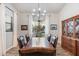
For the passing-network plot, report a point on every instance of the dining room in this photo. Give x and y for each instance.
(39, 29)
(37, 22)
(41, 24)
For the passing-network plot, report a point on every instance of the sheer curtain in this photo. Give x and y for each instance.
(47, 25)
(30, 25)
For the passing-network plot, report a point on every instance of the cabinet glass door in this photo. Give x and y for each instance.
(70, 27)
(77, 27)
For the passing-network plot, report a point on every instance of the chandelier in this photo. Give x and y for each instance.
(38, 14)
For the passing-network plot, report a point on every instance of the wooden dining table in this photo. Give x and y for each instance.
(38, 47)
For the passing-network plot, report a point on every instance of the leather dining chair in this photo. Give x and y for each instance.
(53, 41)
(21, 41)
(27, 38)
(48, 38)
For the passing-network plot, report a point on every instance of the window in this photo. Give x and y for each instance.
(8, 18)
(38, 29)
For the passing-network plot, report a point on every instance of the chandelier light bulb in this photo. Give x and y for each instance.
(43, 14)
(38, 15)
(33, 14)
(39, 9)
(44, 11)
(34, 10)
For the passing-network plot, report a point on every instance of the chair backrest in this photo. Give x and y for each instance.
(49, 38)
(27, 38)
(21, 41)
(53, 41)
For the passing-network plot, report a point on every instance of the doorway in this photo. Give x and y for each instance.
(9, 16)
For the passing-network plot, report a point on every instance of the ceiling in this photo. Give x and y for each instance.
(28, 7)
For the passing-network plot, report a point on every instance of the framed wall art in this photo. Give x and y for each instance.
(53, 27)
(24, 27)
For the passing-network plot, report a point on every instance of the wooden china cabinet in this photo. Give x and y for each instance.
(70, 35)
(77, 48)
(77, 34)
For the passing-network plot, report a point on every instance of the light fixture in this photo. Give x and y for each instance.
(34, 10)
(44, 11)
(38, 14)
(39, 9)
(33, 14)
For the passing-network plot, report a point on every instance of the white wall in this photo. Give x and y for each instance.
(15, 43)
(2, 31)
(54, 19)
(23, 19)
(0, 34)
(69, 10)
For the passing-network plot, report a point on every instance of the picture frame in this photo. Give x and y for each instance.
(53, 27)
(24, 27)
